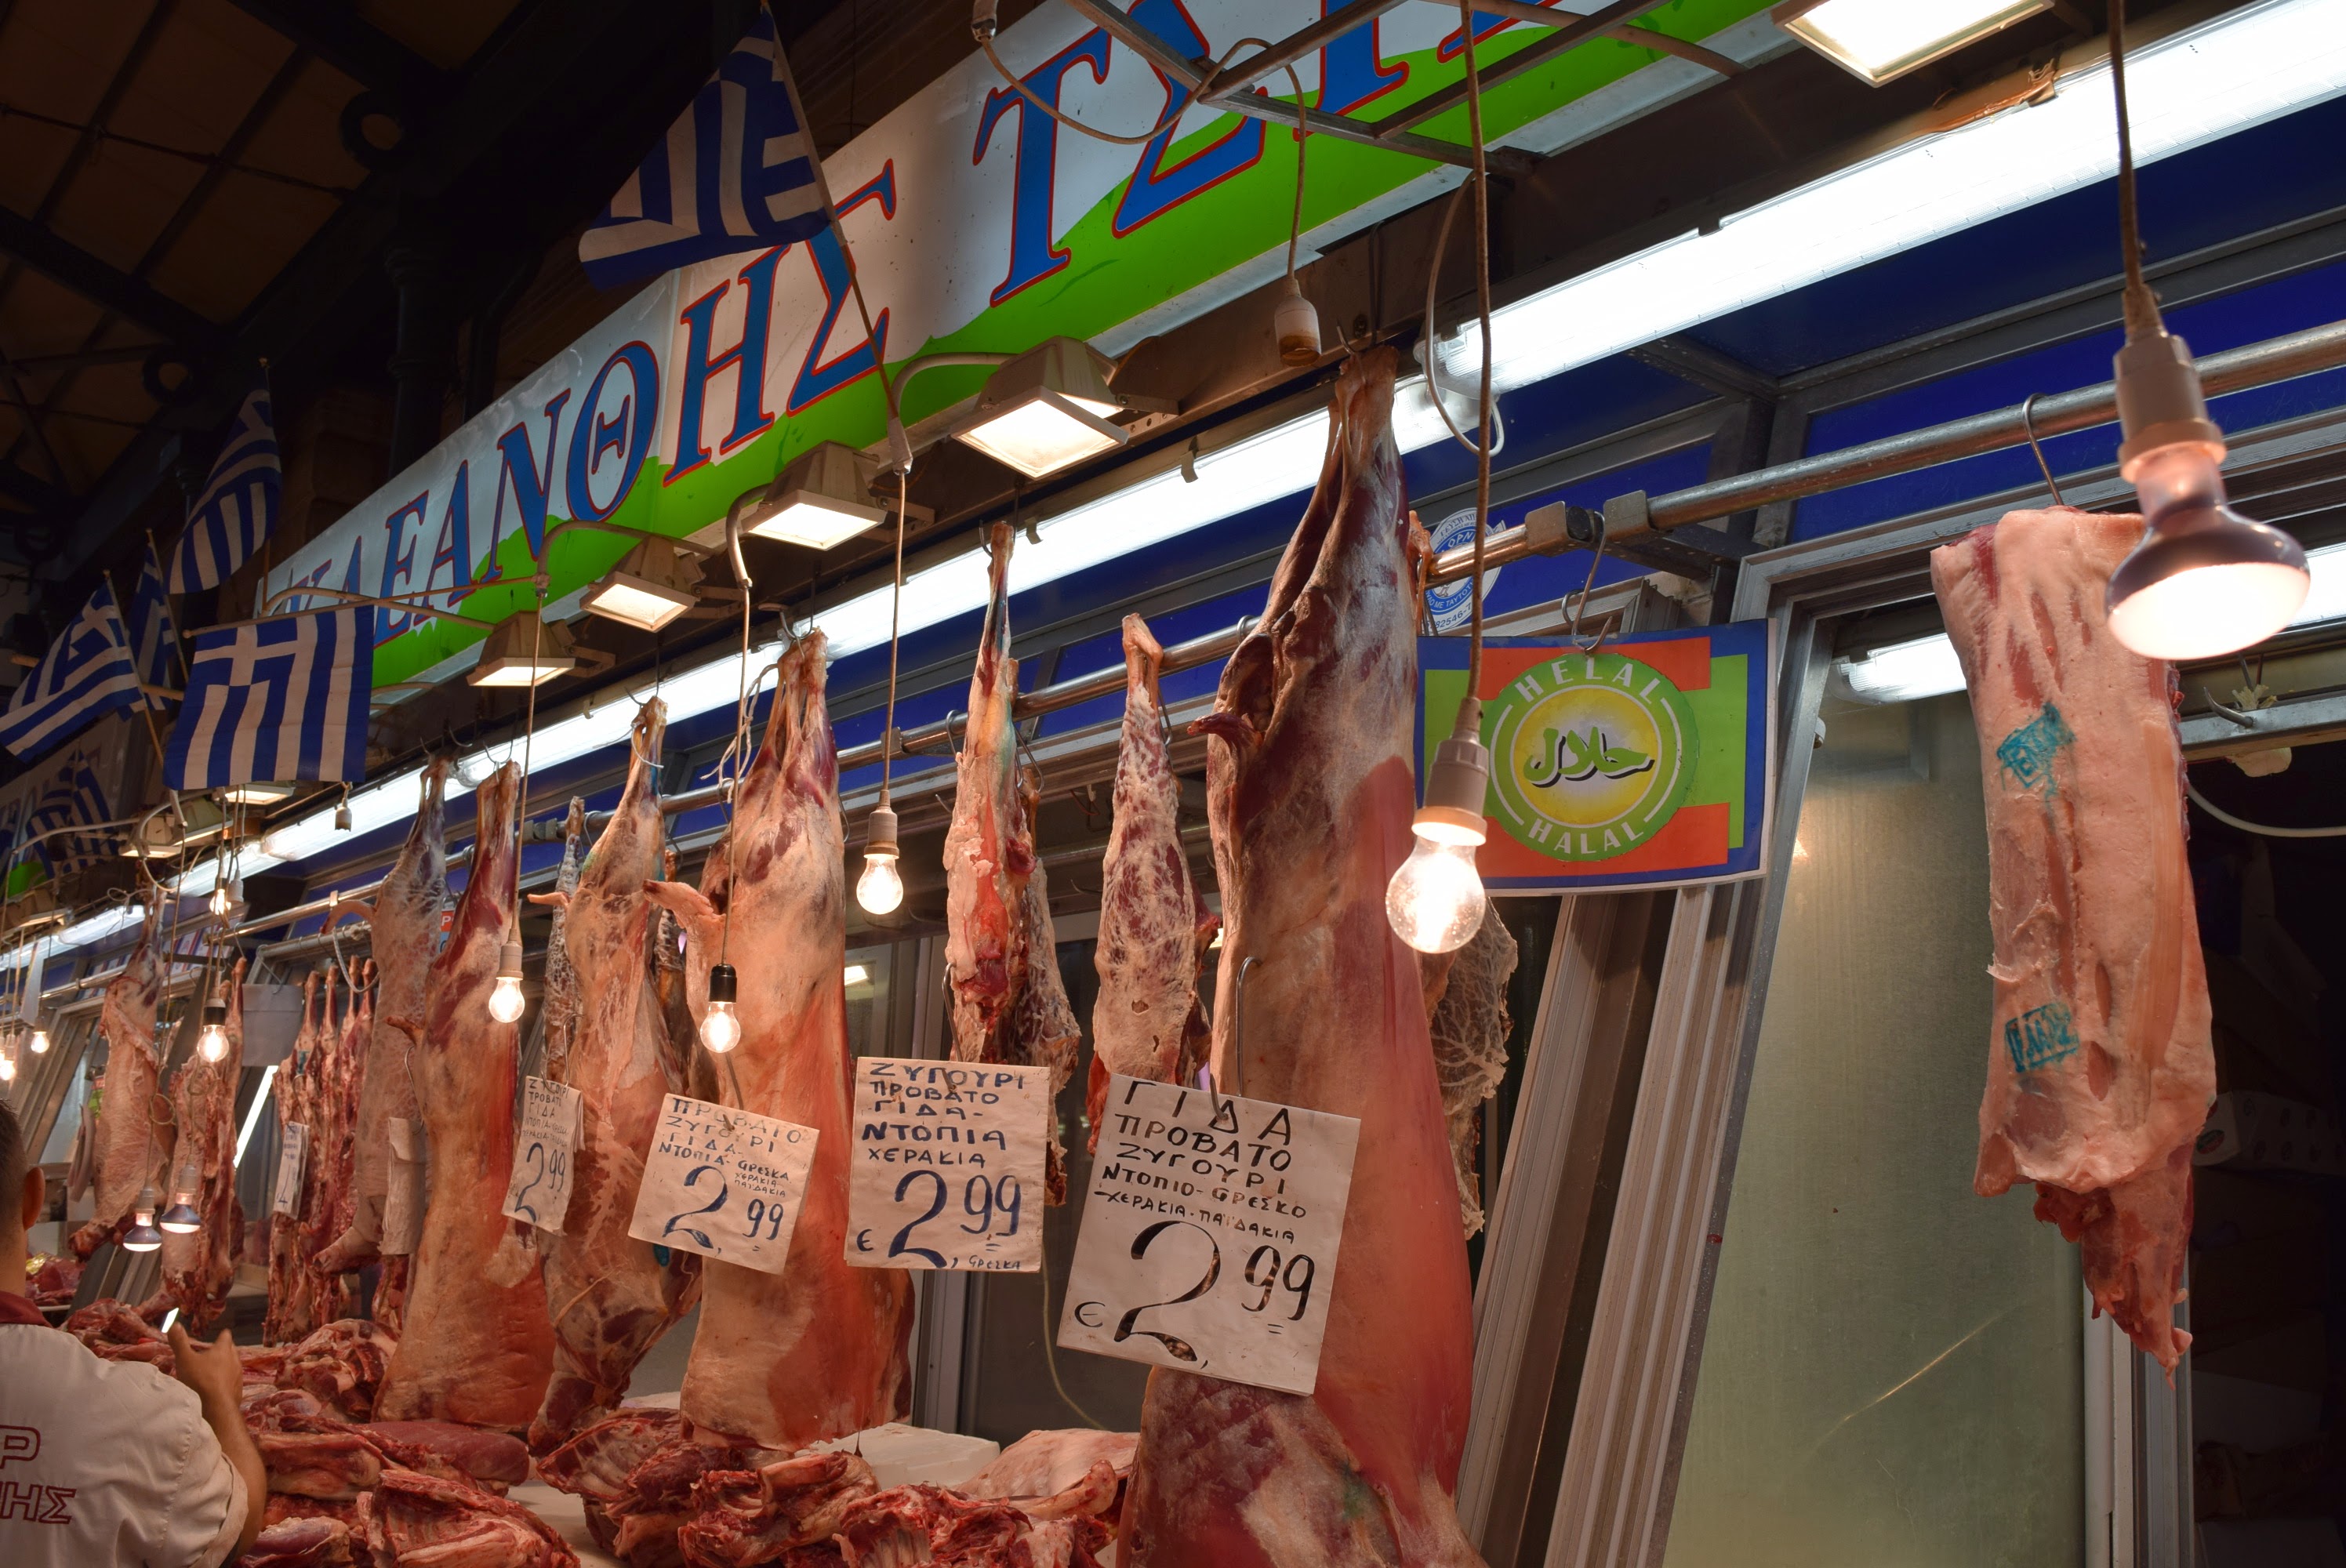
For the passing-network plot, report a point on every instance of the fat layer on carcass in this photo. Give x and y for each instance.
(405, 921)
(611, 1295)
(134, 1132)
(1311, 790)
(1009, 1000)
(292, 1312)
(476, 1346)
(199, 1267)
(1466, 1014)
(1147, 1021)
(818, 1349)
(2100, 1064)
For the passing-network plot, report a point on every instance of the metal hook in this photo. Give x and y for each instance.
(2028, 424)
(1246, 967)
(1580, 608)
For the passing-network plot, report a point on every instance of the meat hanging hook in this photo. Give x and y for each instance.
(1580, 606)
(1247, 966)
(2028, 424)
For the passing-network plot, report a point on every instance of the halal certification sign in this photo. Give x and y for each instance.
(1595, 753)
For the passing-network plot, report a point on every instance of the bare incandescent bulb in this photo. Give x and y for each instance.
(40, 1041)
(720, 1026)
(7, 1067)
(225, 897)
(212, 1044)
(1435, 900)
(507, 1002)
(880, 889)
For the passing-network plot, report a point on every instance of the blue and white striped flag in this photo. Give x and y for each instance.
(276, 699)
(86, 674)
(73, 797)
(239, 506)
(154, 642)
(737, 172)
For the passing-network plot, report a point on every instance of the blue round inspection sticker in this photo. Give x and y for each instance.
(1448, 604)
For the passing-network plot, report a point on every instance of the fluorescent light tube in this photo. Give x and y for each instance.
(1905, 672)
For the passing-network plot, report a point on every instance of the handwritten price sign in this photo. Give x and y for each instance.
(947, 1171)
(723, 1183)
(293, 1159)
(1209, 1233)
(544, 1153)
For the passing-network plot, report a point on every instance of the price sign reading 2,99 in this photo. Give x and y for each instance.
(947, 1171)
(723, 1183)
(1209, 1233)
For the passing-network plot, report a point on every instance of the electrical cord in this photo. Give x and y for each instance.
(1432, 355)
(895, 608)
(2264, 829)
(1483, 310)
(981, 27)
(2141, 305)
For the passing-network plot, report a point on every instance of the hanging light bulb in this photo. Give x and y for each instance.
(40, 1042)
(880, 889)
(142, 1235)
(1296, 325)
(506, 1001)
(212, 1043)
(721, 1027)
(1435, 900)
(181, 1219)
(342, 816)
(7, 1067)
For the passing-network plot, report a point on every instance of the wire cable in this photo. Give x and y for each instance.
(1483, 312)
(895, 610)
(1181, 100)
(2262, 828)
(2141, 305)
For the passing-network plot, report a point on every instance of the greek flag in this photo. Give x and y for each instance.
(154, 642)
(86, 674)
(737, 172)
(239, 506)
(74, 796)
(276, 699)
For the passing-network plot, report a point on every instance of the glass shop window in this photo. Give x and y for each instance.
(870, 971)
(1892, 1370)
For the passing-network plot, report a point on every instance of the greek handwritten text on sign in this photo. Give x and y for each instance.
(1209, 1233)
(947, 1171)
(293, 1160)
(543, 1154)
(723, 1183)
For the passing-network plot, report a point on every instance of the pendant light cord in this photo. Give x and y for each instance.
(1483, 311)
(528, 733)
(895, 611)
(739, 750)
(2141, 305)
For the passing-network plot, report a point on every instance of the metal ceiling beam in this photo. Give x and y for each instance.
(1530, 58)
(333, 31)
(1643, 38)
(1245, 73)
(135, 300)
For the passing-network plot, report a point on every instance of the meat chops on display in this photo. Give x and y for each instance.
(475, 1345)
(2100, 1064)
(818, 1349)
(1311, 790)
(611, 1295)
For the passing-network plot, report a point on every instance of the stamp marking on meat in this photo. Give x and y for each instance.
(2029, 752)
(2040, 1037)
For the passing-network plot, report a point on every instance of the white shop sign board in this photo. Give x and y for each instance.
(1209, 1233)
(947, 1166)
(293, 1160)
(726, 1183)
(546, 1153)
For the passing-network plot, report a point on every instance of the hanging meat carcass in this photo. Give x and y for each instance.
(1154, 927)
(1466, 1014)
(405, 922)
(818, 1349)
(134, 1132)
(1310, 791)
(611, 1295)
(2100, 1062)
(292, 1298)
(561, 992)
(199, 1267)
(1009, 1001)
(328, 1205)
(475, 1345)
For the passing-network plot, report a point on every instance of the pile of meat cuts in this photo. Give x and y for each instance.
(657, 1493)
(2101, 1065)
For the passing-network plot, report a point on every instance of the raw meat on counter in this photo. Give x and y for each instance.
(1311, 789)
(475, 1345)
(293, 1305)
(342, 1365)
(115, 1332)
(659, 1493)
(405, 922)
(134, 1132)
(1466, 1015)
(2100, 1062)
(198, 1267)
(612, 1296)
(818, 1349)
(1009, 1001)
(1154, 926)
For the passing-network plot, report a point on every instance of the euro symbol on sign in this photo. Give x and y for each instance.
(1084, 1306)
(1568, 757)
(863, 1240)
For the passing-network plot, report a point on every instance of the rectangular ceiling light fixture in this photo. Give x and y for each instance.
(523, 651)
(1046, 410)
(1883, 39)
(821, 500)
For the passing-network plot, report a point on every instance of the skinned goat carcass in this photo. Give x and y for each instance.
(818, 1349)
(2101, 1065)
(292, 1298)
(1311, 790)
(1154, 927)
(612, 1296)
(331, 1206)
(133, 1136)
(199, 1267)
(1466, 1014)
(477, 1345)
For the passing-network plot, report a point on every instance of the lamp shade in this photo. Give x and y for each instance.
(822, 498)
(1046, 409)
(650, 587)
(523, 651)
